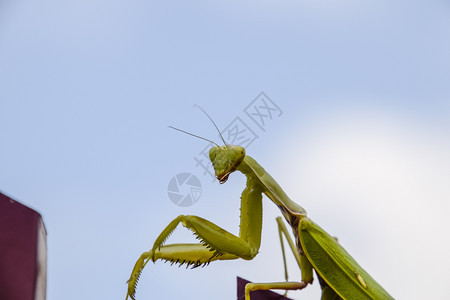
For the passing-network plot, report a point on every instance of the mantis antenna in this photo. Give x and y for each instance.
(221, 136)
(194, 135)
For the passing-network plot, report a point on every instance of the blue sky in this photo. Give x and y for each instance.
(88, 88)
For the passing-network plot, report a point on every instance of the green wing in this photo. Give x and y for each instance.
(342, 273)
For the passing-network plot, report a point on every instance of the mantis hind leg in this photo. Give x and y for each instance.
(302, 261)
(305, 266)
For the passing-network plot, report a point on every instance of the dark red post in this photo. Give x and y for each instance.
(23, 252)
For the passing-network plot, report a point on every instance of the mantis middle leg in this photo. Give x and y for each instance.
(302, 261)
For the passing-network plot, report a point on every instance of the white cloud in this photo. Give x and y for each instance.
(379, 181)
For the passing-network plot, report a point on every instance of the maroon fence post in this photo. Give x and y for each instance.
(23, 252)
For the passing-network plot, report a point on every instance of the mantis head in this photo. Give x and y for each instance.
(225, 160)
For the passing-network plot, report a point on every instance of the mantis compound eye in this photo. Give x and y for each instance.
(212, 154)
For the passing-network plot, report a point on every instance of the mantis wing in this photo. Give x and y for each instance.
(341, 272)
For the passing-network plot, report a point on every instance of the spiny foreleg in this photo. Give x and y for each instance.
(191, 255)
(215, 244)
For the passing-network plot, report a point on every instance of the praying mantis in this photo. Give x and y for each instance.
(339, 275)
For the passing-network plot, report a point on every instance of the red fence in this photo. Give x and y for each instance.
(23, 252)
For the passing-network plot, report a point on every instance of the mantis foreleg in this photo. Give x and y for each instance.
(215, 242)
(190, 254)
(212, 237)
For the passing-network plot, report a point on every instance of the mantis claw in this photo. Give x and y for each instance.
(136, 273)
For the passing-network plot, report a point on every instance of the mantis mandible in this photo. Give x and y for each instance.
(339, 275)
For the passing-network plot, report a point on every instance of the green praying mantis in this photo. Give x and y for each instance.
(339, 275)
